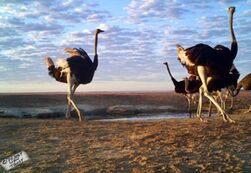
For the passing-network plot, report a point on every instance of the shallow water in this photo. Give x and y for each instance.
(34, 111)
(152, 117)
(94, 109)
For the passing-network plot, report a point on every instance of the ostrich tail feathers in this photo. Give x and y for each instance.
(62, 63)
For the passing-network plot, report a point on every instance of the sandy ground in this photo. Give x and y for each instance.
(174, 145)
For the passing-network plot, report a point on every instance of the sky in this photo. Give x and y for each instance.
(139, 36)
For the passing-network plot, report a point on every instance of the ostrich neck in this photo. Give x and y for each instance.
(168, 70)
(95, 60)
(95, 44)
(233, 39)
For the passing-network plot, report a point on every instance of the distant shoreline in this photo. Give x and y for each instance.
(88, 92)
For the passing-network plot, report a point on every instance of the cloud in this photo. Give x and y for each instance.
(230, 1)
(139, 11)
(3, 68)
(31, 30)
(134, 45)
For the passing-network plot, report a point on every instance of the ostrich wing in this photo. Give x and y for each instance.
(216, 60)
(200, 54)
(72, 52)
(83, 53)
(82, 68)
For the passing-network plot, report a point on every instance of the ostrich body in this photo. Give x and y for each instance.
(75, 70)
(223, 87)
(244, 83)
(186, 87)
(210, 62)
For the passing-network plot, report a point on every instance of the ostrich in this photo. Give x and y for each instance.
(186, 87)
(235, 74)
(210, 63)
(75, 70)
(223, 87)
(244, 83)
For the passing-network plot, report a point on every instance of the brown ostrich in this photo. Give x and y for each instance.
(244, 83)
(75, 70)
(210, 63)
(187, 87)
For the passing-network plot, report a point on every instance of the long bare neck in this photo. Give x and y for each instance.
(233, 39)
(96, 43)
(95, 60)
(169, 72)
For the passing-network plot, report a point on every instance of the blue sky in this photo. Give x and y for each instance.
(140, 35)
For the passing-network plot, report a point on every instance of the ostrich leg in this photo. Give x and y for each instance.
(230, 94)
(71, 90)
(210, 109)
(203, 77)
(232, 103)
(68, 112)
(200, 105)
(220, 95)
(189, 105)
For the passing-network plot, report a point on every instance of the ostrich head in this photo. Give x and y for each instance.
(231, 10)
(98, 31)
(165, 63)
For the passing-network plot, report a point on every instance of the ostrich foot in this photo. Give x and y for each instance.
(203, 120)
(231, 121)
(226, 118)
(249, 110)
(80, 117)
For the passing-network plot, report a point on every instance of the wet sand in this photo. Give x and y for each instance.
(172, 145)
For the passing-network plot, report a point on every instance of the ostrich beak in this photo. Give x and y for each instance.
(231, 9)
(99, 30)
(179, 47)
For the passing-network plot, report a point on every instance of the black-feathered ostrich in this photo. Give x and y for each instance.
(186, 87)
(223, 87)
(234, 75)
(244, 83)
(75, 70)
(210, 63)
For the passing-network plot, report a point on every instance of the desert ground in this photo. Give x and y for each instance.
(167, 145)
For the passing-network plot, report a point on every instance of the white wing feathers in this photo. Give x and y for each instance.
(72, 52)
